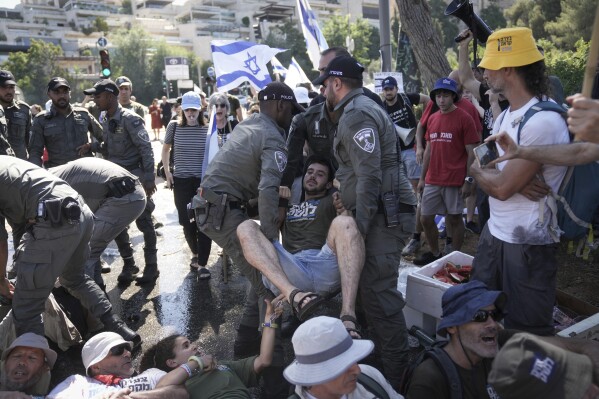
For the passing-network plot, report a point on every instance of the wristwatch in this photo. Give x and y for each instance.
(469, 179)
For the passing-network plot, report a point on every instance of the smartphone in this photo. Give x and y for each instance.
(486, 153)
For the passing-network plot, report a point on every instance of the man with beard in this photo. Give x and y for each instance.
(125, 91)
(26, 366)
(62, 130)
(375, 190)
(321, 251)
(126, 143)
(17, 113)
(471, 315)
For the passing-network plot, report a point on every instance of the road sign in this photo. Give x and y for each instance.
(102, 42)
(176, 68)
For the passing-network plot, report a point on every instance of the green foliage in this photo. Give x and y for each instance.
(34, 69)
(493, 17)
(366, 37)
(574, 22)
(100, 25)
(567, 65)
(528, 13)
(289, 37)
(245, 21)
(447, 26)
(141, 59)
(127, 7)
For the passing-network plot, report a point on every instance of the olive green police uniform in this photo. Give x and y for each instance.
(367, 151)
(18, 116)
(61, 135)
(137, 108)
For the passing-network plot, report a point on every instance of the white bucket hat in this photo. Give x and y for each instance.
(323, 351)
(98, 346)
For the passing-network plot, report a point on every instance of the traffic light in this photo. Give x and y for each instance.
(105, 64)
(257, 31)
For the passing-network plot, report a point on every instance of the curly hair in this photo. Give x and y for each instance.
(536, 79)
(159, 353)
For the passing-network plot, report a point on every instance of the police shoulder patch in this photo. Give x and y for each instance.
(281, 160)
(365, 139)
(142, 134)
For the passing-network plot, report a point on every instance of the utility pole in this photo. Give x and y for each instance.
(385, 30)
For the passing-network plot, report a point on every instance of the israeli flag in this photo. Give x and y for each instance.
(236, 62)
(212, 146)
(277, 67)
(315, 41)
(296, 75)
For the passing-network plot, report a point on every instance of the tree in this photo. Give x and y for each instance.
(366, 38)
(100, 25)
(528, 13)
(127, 7)
(493, 17)
(574, 22)
(568, 66)
(287, 36)
(34, 69)
(416, 21)
(447, 26)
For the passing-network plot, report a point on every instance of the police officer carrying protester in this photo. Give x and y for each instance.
(17, 113)
(248, 166)
(125, 91)
(115, 196)
(381, 198)
(62, 130)
(126, 143)
(55, 245)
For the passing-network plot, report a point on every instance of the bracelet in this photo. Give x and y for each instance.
(269, 324)
(186, 368)
(198, 361)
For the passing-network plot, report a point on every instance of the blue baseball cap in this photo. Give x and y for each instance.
(445, 84)
(460, 303)
(389, 81)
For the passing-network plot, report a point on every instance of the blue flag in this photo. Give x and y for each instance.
(315, 41)
(236, 62)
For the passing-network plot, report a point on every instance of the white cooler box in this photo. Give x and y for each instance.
(423, 293)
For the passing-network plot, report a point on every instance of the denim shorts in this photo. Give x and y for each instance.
(314, 270)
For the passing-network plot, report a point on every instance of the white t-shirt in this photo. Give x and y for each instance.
(78, 386)
(516, 219)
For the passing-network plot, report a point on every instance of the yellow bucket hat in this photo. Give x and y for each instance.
(510, 47)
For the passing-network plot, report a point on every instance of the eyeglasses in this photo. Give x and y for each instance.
(120, 349)
(482, 316)
(220, 105)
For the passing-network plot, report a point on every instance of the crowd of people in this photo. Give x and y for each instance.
(350, 182)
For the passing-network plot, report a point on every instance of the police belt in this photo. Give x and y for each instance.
(403, 208)
(215, 197)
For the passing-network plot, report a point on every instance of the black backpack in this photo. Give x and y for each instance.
(367, 382)
(443, 362)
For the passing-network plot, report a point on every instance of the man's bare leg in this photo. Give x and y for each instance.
(457, 230)
(260, 253)
(346, 242)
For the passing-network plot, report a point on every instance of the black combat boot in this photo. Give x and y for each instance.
(113, 323)
(150, 275)
(130, 271)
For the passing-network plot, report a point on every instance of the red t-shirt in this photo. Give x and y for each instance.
(462, 104)
(448, 134)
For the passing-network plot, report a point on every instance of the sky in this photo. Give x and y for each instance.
(9, 3)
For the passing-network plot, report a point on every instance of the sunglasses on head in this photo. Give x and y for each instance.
(483, 315)
(120, 349)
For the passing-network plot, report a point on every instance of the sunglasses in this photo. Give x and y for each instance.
(220, 105)
(120, 349)
(483, 315)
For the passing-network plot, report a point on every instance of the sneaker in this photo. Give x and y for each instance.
(426, 258)
(413, 246)
(447, 249)
(472, 227)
